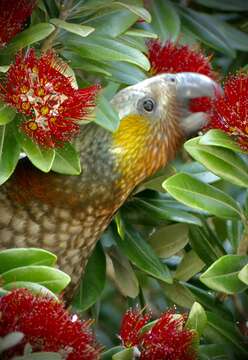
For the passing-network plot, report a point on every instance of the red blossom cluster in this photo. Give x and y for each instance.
(46, 326)
(174, 58)
(13, 15)
(230, 110)
(40, 89)
(166, 339)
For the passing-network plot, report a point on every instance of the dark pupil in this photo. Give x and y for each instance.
(148, 105)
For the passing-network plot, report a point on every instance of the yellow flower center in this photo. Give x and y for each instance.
(44, 110)
(25, 105)
(41, 91)
(24, 89)
(32, 125)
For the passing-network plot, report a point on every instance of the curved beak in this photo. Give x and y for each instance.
(189, 86)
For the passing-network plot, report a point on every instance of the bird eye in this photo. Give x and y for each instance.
(148, 105)
(172, 79)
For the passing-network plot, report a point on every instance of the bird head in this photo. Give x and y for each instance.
(155, 120)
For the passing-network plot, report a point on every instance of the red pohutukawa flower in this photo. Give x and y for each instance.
(40, 89)
(46, 326)
(13, 15)
(230, 110)
(167, 339)
(174, 58)
(132, 323)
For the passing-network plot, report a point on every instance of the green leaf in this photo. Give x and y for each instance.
(169, 240)
(14, 258)
(178, 294)
(112, 22)
(107, 355)
(10, 340)
(66, 161)
(29, 36)
(204, 27)
(165, 20)
(222, 275)
(32, 286)
(126, 354)
(194, 193)
(205, 244)
(155, 181)
(214, 352)
(223, 162)
(163, 210)
(125, 73)
(40, 157)
(228, 332)
(243, 274)
(141, 254)
(105, 115)
(81, 30)
(227, 5)
(106, 49)
(137, 10)
(53, 279)
(121, 273)
(219, 138)
(197, 319)
(9, 152)
(93, 281)
(190, 265)
(141, 33)
(7, 113)
(44, 355)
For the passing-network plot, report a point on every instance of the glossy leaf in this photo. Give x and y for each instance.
(223, 162)
(40, 157)
(163, 210)
(204, 27)
(107, 49)
(121, 273)
(10, 340)
(197, 319)
(192, 192)
(141, 254)
(243, 274)
(205, 244)
(54, 279)
(222, 275)
(228, 332)
(14, 258)
(141, 12)
(7, 113)
(66, 160)
(165, 20)
(93, 281)
(31, 286)
(28, 37)
(219, 138)
(190, 265)
(81, 30)
(178, 294)
(126, 354)
(105, 115)
(9, 152)
(169, 240)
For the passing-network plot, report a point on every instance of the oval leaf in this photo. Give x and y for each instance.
(7, 114)
(223, 162)
(81, 30)
(14, 258)
(53, 279)
(93, 281)
(222, 275)
(219, 138)
(194, 193)
(33, 287)
(27, 37)
(9, 152)
(197, 319)
(66, 161)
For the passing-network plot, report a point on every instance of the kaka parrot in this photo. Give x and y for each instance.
(67, 214)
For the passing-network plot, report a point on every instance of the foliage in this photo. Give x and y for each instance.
(182, 238)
